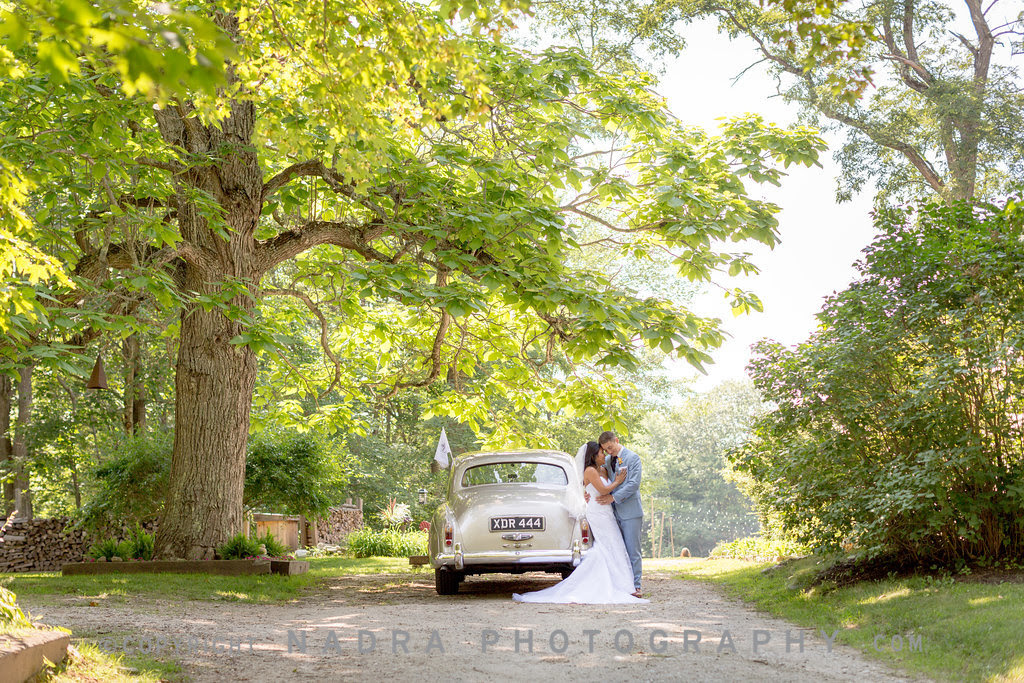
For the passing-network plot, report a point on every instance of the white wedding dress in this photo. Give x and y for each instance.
(605, 575)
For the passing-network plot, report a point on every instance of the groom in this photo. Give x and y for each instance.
(628, 511)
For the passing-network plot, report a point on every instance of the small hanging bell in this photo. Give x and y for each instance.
(98, 379)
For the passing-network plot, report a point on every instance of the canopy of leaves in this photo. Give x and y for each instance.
(156, 52)
(443, 183)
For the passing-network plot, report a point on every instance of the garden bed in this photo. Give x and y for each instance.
(220, 567)
(289, 567)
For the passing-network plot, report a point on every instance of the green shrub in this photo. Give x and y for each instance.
(274, 547)
(758, 549)
(896, 429)
(239, 548)
(11, 615)
(132, 485)
(295, 473)
(285, 472)
(111, 548)
(141, 544)
(387, 543)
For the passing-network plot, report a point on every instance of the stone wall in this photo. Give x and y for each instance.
(339, 523)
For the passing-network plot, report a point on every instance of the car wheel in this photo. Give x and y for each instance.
(566, 573)
(446, 582)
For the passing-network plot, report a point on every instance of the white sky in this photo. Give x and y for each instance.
(820, 239)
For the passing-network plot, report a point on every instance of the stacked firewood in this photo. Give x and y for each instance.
(339, 523)
(40, 545)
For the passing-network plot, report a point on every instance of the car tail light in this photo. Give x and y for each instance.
(449, 534)
(585, 532)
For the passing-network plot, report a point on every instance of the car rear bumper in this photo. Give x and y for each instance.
(505, 561)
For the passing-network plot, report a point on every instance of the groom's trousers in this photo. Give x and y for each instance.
(631, 537)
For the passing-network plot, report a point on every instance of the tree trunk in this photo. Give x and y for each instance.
(215, 379)
(214, 386)
(6, 449)
(22, 484)
(76, 488)
(134, 388)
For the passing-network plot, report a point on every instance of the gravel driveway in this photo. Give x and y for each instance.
(394, 626)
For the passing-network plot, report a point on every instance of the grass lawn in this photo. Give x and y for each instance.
(114, 589)
(970, 631)
(87, 664)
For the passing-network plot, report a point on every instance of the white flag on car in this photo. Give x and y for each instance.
(443, 450)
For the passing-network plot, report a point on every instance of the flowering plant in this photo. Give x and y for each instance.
(395, 514)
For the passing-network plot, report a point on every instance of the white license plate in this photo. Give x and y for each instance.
(518, 523)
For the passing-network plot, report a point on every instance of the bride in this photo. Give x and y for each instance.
(605, 575)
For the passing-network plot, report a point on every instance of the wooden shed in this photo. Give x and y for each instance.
(285, 528)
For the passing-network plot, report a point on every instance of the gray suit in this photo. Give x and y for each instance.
(628, 511)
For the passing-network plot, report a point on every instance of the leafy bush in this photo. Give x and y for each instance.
(239, 548)
(368, 542)
(11, 615)
(111, 548)
(141, 544)
(758, 549)
(897, 429)
(138, 546)
(295, 473)
(274, 547)
(132, 485)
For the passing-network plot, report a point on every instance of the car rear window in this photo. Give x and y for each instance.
(515, 473)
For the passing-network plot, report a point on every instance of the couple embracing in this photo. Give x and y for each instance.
(610, 572)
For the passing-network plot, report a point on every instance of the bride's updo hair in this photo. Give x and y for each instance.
(590, 456)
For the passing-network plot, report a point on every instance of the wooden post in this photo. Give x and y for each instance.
(671, 537)
(652, 525)
(661, 533)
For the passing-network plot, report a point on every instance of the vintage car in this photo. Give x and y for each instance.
(508, 512)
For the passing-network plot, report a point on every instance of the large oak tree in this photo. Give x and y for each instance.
(382, 153)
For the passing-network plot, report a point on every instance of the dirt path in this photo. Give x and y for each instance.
(471, 636)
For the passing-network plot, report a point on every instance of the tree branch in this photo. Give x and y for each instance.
(435, 352)
(908, 30)
(970, 47)
(334, 180)
(983, 56)
(909, 60)
(172, 166)
(200, 257)
(286, 245)
(324, 330)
